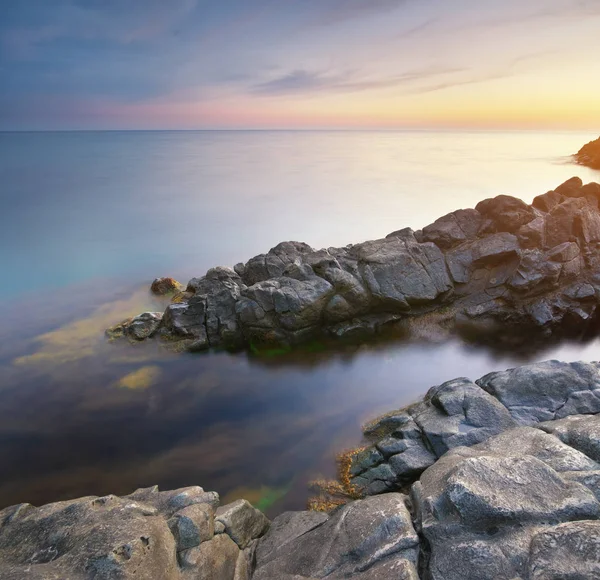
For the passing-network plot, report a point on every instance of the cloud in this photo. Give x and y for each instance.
(303, 81)
(335, 11)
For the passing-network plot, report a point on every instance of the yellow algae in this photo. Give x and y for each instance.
(142, 378)
(81, 338)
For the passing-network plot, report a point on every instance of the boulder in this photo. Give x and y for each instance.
(101, 538)
(507, 213)
(453, 229)
(480, 508)
(243, 523)
(401, 274)
(359, 540)
(545, 391)
(192, 525)
(494, 249)
(581, 432)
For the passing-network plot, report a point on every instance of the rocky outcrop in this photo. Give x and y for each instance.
(462, 413)
(589, 155)
(502, 265)
(500, 480)
(148, 535)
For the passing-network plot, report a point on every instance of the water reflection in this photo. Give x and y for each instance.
(81, 416)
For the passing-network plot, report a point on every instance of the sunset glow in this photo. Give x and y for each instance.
(300, 64)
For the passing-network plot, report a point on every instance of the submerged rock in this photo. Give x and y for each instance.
(504, 265)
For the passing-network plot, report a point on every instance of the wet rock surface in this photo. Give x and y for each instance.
(500, 266)
(493, 479)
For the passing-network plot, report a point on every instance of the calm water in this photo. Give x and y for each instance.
(88, 219)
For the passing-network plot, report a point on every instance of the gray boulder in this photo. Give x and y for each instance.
(356, 540)
(243, 523)
(546, 391)
(507, 213)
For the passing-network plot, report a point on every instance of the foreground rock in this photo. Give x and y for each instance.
(589, 155)
(502, 265)
(148, 535)
(462, 413)
(501, 480)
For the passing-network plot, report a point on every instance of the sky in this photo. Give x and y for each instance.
(252, 64)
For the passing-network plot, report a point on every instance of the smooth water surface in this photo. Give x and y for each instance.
(88, 219)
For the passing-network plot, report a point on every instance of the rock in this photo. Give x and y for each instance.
(494, 249)
(563, 252)
(192, 525)
(573, 220)
(531, 235)
(454, 228)
(507, 213)
(570, 188)
(548, 201)
(144, 325)
(170, 502)
(352, 542)
(401, 274)
(570, 550)
(274, 263)
(103, 538)
(140, 327)
(284, 529)
(581, 432)
(243, 523)
(188, 319)
(459, 413)
(589, 155)
(546, 391)
(479, 508)
(213, 560)
(478, 268)
(165, 286)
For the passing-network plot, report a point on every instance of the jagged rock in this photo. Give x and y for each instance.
(401, 274)
(494, 249)
(531, 235)
(213, 560)
(507, 213)
(486, 264)
(581, 432)
(548, 201)
(589, 155)
(480, 508)
(192, 525)
(459, 413)
(546, 391)
(358, 539)
(454, 228)
(170, 502)
(243, 523)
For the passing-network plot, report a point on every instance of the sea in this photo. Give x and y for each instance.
(89, 219)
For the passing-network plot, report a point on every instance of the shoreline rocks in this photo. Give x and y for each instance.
(501, 266)
(589, 155)
(497, 478)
